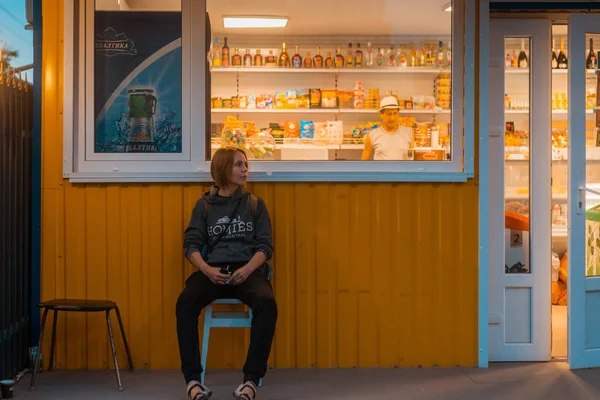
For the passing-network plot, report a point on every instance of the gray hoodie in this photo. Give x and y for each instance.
(245, 235)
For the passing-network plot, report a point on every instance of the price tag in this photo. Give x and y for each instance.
(516, 238)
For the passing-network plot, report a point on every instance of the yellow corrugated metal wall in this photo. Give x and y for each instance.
(367, 275)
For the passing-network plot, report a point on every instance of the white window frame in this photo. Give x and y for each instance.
(191, 166)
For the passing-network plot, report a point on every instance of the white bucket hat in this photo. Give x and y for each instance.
(389, 102)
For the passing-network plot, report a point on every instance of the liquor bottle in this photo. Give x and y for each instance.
(379, 59)
(308, 60)
(284, 58)
(563, 62)
(258, 60)
(412, 56)
(297, 59)
(225, 52)
(358, 57)
(522, 61)
(591, 62)
(422, 56)
(514, 62)
(217, 54)
(339, 58)
(429, 59)
(370, 57)
(554, 56)
(449, 55)
(350, 57)
(247, 59)
(391, 57)
(440, 55)
(318, 59)
(402, 61)
(329, 60)
(236, 59)
(271, 60)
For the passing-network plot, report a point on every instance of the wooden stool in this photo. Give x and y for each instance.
(77, 305)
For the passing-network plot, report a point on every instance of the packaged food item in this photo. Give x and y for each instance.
(262, 145)
(264, 101)
(345, 99)
(422, 137)
(235, 102)
(243, 101)
(226, 103)
(374, 94)
(427, 155)
(250, 128)
(307, 131)
(358, 132)
(277, 132)
(280, 100)
(407, 121)
(329, 99)
(233, 133)
(251, 101)
(291, 133)
(217, 102)
(269, 101)
(261, 102)
(560, 138)
(315, 98)
(303, 98)
(423, 102)
(291, 99)
(590, 99)
(321, 134)
(335, 130)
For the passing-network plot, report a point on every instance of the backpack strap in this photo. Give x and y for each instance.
(254, 205)
(206, 207)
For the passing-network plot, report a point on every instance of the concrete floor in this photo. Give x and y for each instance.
(541, 381)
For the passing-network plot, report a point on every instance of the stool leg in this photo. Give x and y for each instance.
(114, 351)
(53, 341)
(39, 350)
(124, 338)
(205, 337)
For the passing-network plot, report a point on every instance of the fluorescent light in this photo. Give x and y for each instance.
(447, 7)
(255, 22)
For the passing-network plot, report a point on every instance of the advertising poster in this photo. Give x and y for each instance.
(137, 82)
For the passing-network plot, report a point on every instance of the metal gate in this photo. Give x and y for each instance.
(16, 121)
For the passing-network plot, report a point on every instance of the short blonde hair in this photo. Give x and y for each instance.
(221, 165)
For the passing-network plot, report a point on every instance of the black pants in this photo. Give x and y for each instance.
(199, 291)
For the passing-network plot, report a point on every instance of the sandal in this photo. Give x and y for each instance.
(203, 394)
(238, 395)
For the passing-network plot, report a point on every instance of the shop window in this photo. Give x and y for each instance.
(169, 82)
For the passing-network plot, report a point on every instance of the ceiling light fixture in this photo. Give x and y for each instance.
(447, 7)
(254, 22)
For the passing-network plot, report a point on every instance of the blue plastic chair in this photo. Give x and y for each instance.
(222, 319)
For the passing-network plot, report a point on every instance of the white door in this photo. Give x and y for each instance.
(520, 192)
(583, 284)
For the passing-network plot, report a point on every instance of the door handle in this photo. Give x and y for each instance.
(581, 200)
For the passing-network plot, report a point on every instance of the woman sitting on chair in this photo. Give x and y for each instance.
(228, 241)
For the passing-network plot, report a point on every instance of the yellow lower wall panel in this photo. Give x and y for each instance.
(367, 275)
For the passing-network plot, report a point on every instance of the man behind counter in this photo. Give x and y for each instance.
(390, 141)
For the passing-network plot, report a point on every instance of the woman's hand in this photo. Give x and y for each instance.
(215, 275)
(240, 275)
